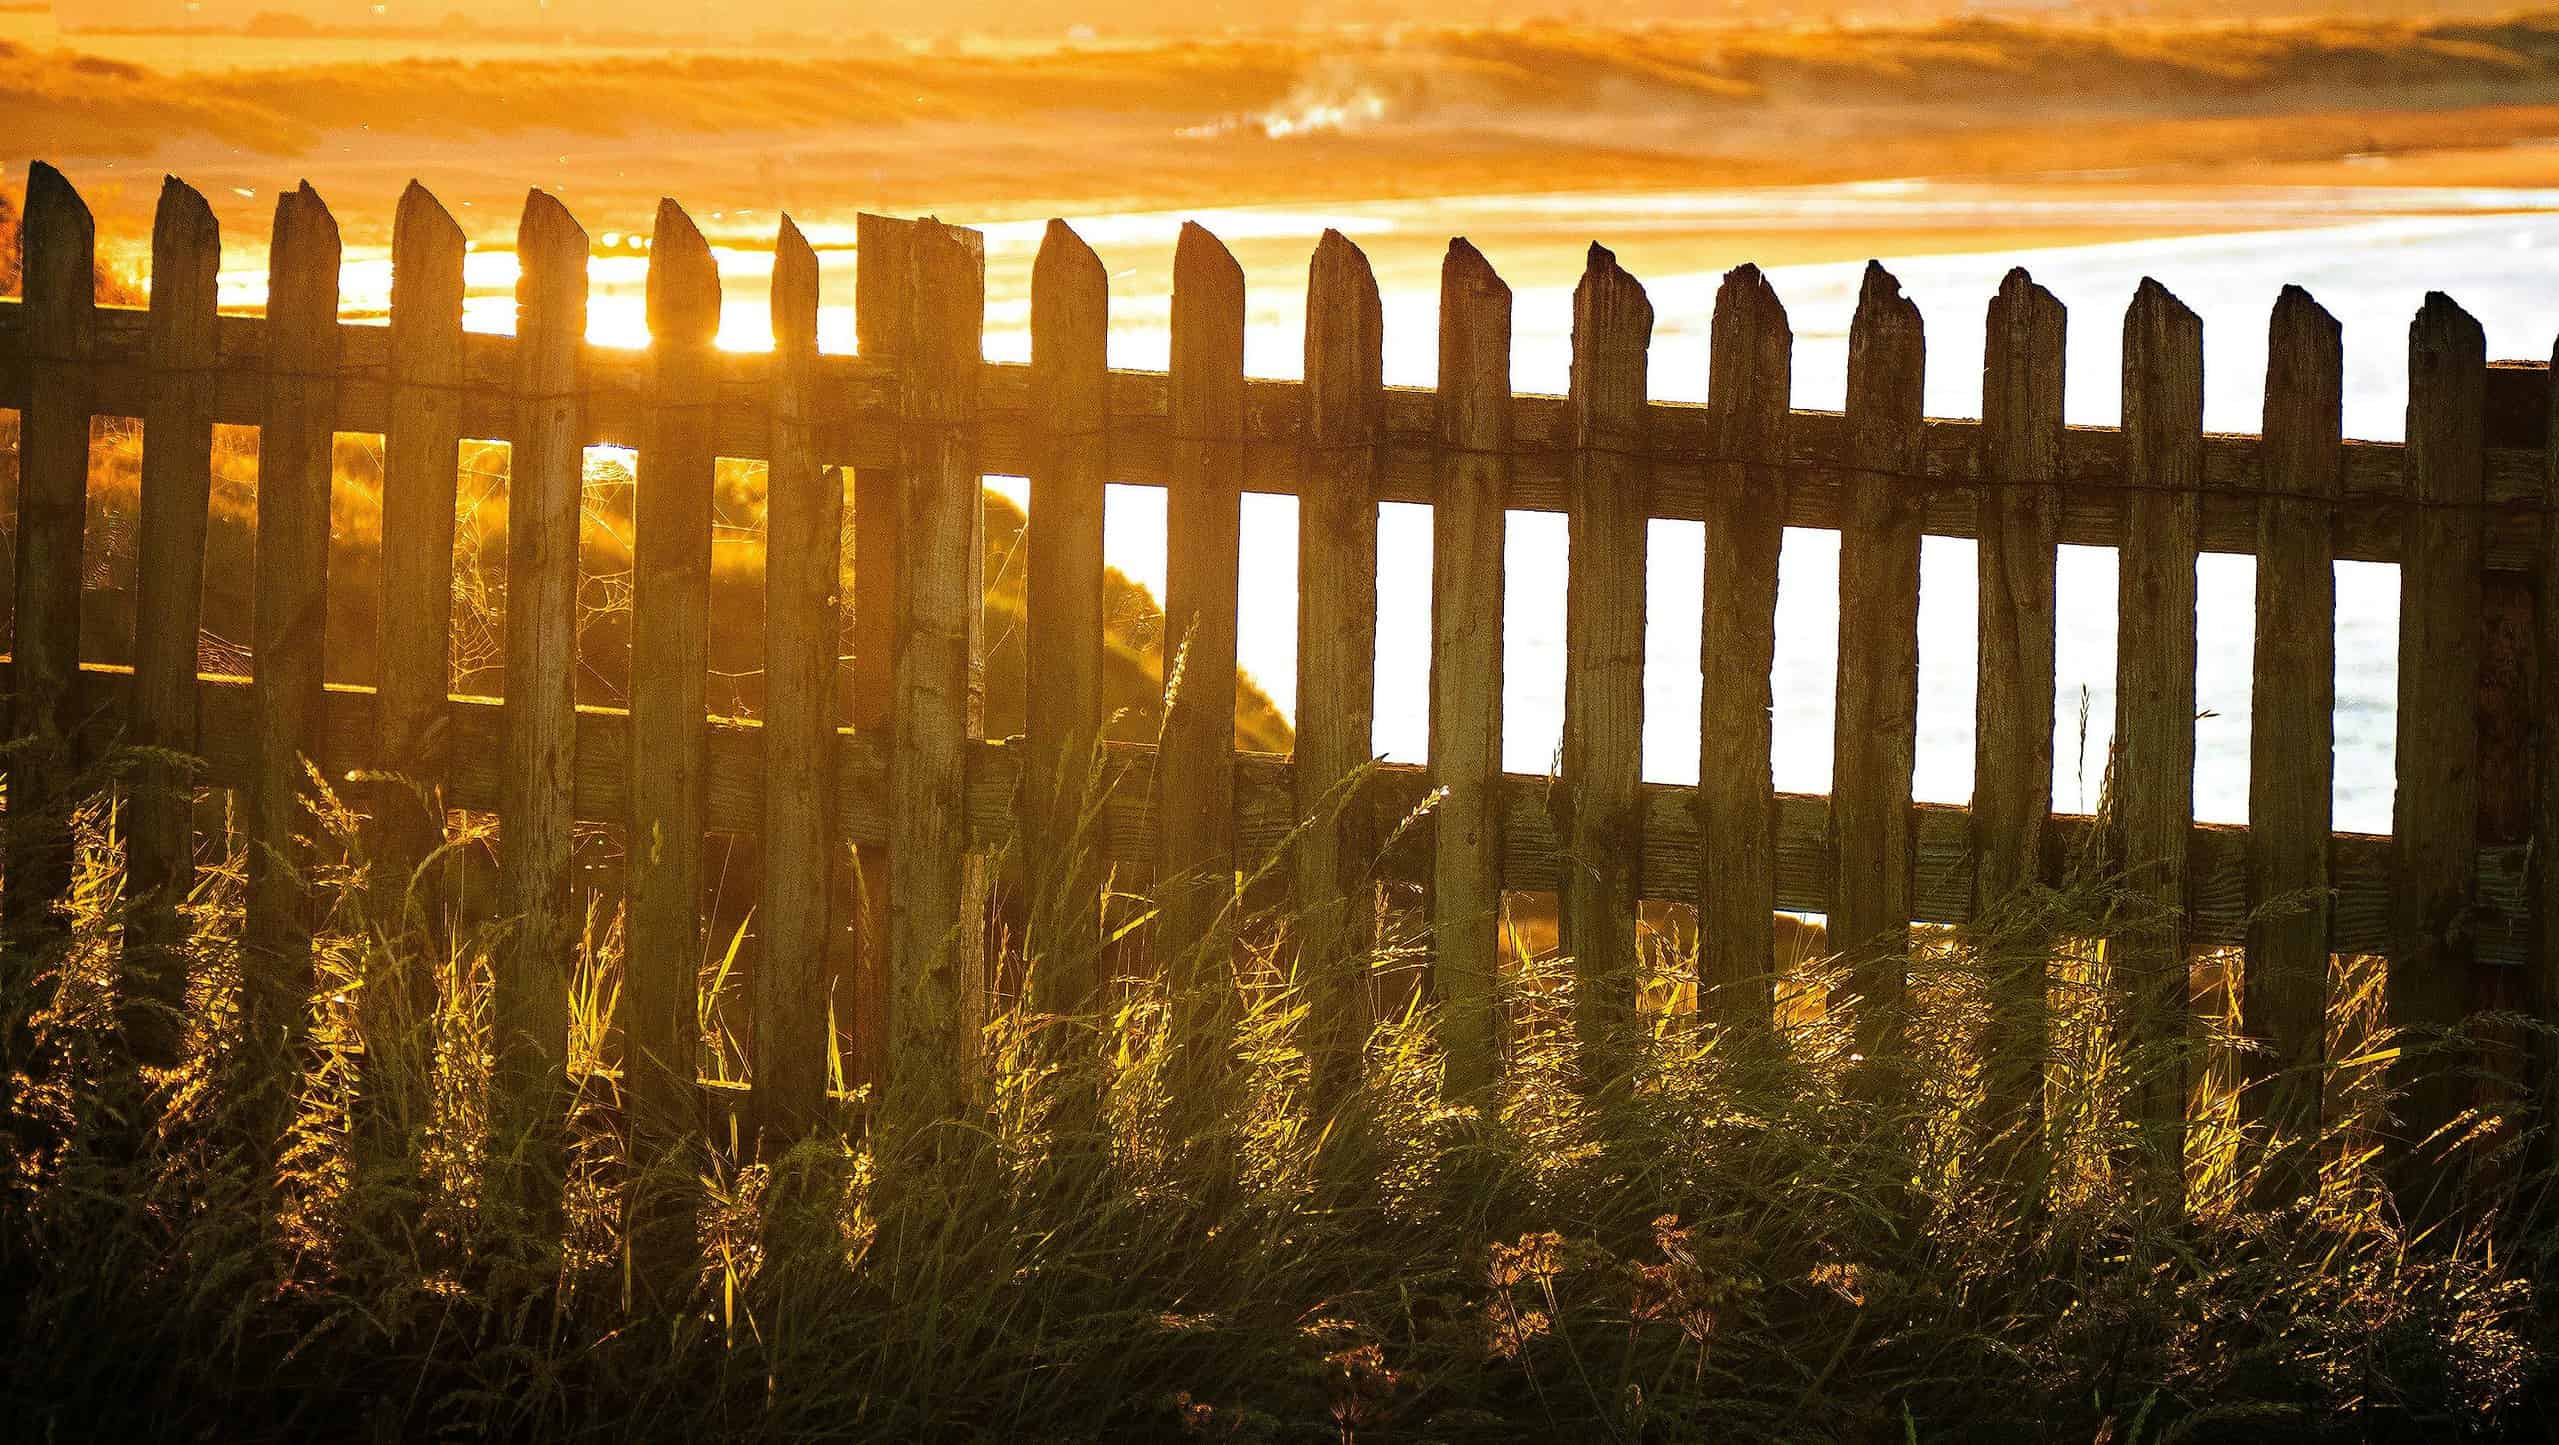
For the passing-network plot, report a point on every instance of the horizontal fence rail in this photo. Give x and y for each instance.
(895, 950)
(855, 424)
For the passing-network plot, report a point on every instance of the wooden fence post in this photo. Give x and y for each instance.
(177, 482)
(529, 1005)
(421, 467)
(2018, 516)
(1467, 567)
(53, 487)
(2442, 572)
(937, 969)
(670, 677)
(1596, 800)
(803, 590)
(2154, 764)
(880, 309)
(295, 464)
(1336, 904)
(2291, 766)
(1062, 716)
(1195, 765)
(1749, 375)
(1875, 734)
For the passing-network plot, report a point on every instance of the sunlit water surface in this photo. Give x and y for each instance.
(2368, 254)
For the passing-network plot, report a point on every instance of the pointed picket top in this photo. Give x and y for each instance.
(1750, 364)
(424, 227)
(1612, 334)
(794, 290)
(2442, 330)
(302, 282)
(2158, 325)
(2024, 313)
(1464, 269)
(1345, 343)
(1474, 343)
(1206, 279)
(427, 249)
(1886, 350)
(2304, 402)
(684, 281)
(186, 252)
(2300, 319)
(1881, 304)
(1208, 320)
(1066, 268)
(60, 260)
(2020, 288)
(551, 255)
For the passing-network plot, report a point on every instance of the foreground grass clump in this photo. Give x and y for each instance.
(1724, 1243)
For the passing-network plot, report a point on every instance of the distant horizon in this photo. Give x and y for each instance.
(697, 19)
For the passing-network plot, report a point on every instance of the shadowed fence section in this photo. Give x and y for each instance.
(898, 788)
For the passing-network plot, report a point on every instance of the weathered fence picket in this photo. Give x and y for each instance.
(296, 461)
(1595, 799)
(1467, 566)
(2291, 760)
(936, 978)
(2152, 772)
(61, 242)
(2436, 808)
(670, 679)
(1062, 706)
(792, 985)
(1752, 369)
(880, 305)
(920, 417)
(421, 474)
(1195, 764)
(537, 805)
(2017, 565)
(1876, 734)
(1335, 907)
(177, 483)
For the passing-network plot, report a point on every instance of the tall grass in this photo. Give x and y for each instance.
(1720, 1244)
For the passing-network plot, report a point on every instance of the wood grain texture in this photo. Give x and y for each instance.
(1876, 717)
(2437, 805)
(61, 242)
(529, 1004)
(1750, 369)
(1335, 907)
(1195, 775)
(2291, 757)
(791, 987)
(1063, 719)
(295, 465)
(1595, 798)
(421, 467)
(177, 481)
(881, 308)
(2022, 373)
(937, 971)
(1467, 570)
(856, 428)
(670, 680)
(2154, 755)
(2017, 557)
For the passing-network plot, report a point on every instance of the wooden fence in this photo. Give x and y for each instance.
(919, 417)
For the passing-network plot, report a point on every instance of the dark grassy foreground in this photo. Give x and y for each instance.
(1722, 1247)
